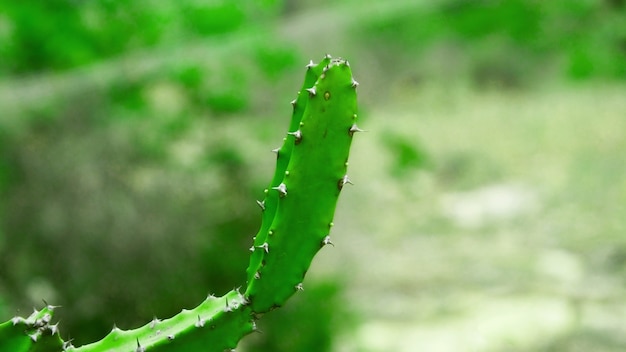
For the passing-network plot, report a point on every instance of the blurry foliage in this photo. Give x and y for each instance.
(40, 36)
(506, 40)
(407, 154)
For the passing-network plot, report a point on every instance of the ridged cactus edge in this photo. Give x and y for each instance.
(297, 216)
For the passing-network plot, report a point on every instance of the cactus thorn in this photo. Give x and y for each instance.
(299, 287)
(310, 64)
(293, 103)
(54, 328)
(34, 337)
(257, 275)
(170, 337)
(154, 322)
(297, 134)
(139, 347)
(261, 204)
(326, 241)
(282, 189)
(252, 249)
(67, 345)
(228, 307)
(265, 247)
(354, 83)
(354, 128)
(344, 181)
(328, 56)
(200, 322)
(276, 150)
(311, 91)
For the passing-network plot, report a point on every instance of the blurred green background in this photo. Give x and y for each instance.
(488, 212)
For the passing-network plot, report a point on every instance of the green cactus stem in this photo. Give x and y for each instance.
(310, 187)
(217, 324)
(283, 155)
(298, 211)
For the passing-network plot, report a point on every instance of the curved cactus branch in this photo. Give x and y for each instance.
(308, 189)
(297, 216)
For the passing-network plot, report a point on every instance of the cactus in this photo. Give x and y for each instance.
(297, 215)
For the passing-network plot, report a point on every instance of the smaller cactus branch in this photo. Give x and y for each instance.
(308, 188)
(217, 324)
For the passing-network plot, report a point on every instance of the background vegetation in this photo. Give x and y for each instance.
(488, 210)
